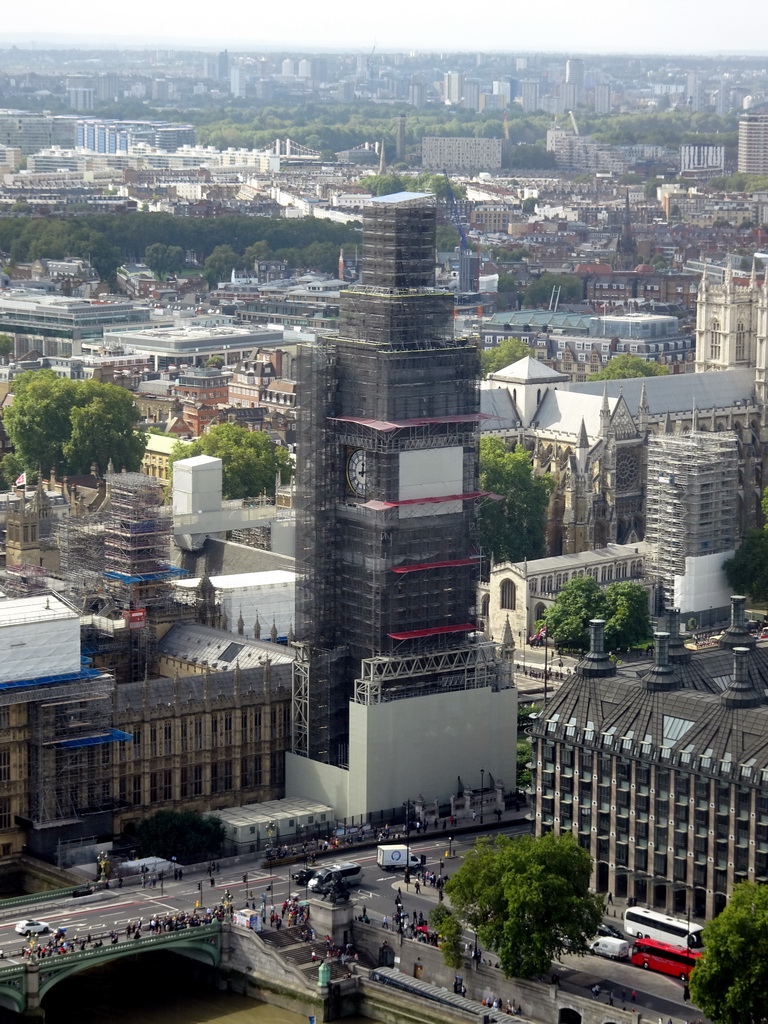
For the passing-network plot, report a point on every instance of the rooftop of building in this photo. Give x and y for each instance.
(564, 563)
(402, 197)
(241, 580)
(527, 370)
(206, 646)
(42, 608)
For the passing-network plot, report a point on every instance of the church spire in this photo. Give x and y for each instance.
(642, 409)
(605, 413)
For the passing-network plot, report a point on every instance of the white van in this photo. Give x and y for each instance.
(614, 949)
(322, 878)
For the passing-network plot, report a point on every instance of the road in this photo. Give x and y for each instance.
(114, 909)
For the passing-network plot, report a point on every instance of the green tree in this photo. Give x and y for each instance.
(577, 602)
(528, 899)
(505, 353)
(539, 292)
(186, 835)
(730, 981)
(524, 754)
(512, 527)
(250, 459)
(747, 571)
(383, 184)
(220, 264)
(629, 620)
(6, 346)
(164, 259)
(624, 366)
(623, 605)
(68, 425)
(448, 928)
(529, 205)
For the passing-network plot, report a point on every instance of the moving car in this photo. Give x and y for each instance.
(322, 879)
(304, 875)
(610, 929)
(32, 927)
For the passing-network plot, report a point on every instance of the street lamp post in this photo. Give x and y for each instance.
(523, 644)
(482, 791)
(407, 875)
(450, 847)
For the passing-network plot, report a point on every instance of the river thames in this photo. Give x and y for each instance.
(154, 993)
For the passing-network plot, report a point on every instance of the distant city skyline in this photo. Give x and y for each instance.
(661, 28)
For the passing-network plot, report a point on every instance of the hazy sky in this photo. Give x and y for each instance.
(565, 26)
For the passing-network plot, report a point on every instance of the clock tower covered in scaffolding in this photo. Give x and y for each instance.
(387, 490)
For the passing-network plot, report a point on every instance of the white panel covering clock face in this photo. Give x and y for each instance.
(431, 474)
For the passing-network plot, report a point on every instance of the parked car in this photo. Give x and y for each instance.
(32, 927)
(610, 929)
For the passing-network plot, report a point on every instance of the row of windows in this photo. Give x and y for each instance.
(158, 740)
(715, 340)
(192, 780)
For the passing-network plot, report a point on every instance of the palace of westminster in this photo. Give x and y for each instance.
(122, 699)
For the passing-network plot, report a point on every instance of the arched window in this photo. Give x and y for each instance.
(533, 583)
(507, 595)
(714, 339)
(741, 341)
(484, 607)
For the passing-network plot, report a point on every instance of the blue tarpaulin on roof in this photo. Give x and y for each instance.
(112, 736)
(86, 673)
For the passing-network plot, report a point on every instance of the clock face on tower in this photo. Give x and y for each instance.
(356, 472)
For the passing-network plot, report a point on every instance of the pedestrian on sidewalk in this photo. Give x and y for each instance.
(610, 899)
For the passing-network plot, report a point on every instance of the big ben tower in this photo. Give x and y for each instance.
(391, 678)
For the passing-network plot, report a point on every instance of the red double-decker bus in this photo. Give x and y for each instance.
(658, 956)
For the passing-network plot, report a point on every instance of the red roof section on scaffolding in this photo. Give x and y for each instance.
(415, 634)
(436, 565)
(422, 421)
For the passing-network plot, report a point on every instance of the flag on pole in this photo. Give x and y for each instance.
(21, 481)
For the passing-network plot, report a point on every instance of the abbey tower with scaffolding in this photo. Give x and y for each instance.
(392, 681)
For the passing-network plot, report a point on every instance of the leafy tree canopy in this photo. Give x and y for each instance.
(111, 239)
(387, 184)
(6, 345)
(512, 528)
(539, 292)
(747, 571)
(528, 899)
(68, 425)
(508, 351)
(623, 605)
(448, 927)
(164, 259)
(250, 459)
(626, 365)
(185, 835)
(730, 981)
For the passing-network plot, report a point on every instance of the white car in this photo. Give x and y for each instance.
(32, 927)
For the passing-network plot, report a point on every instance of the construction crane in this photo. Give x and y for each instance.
(468, 280)
(573, 122)
(505, 126)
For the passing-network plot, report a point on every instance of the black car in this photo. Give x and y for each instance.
(610, 929)
(303, 876)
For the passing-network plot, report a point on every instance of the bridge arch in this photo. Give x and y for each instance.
(12, 996)
(202, 944)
